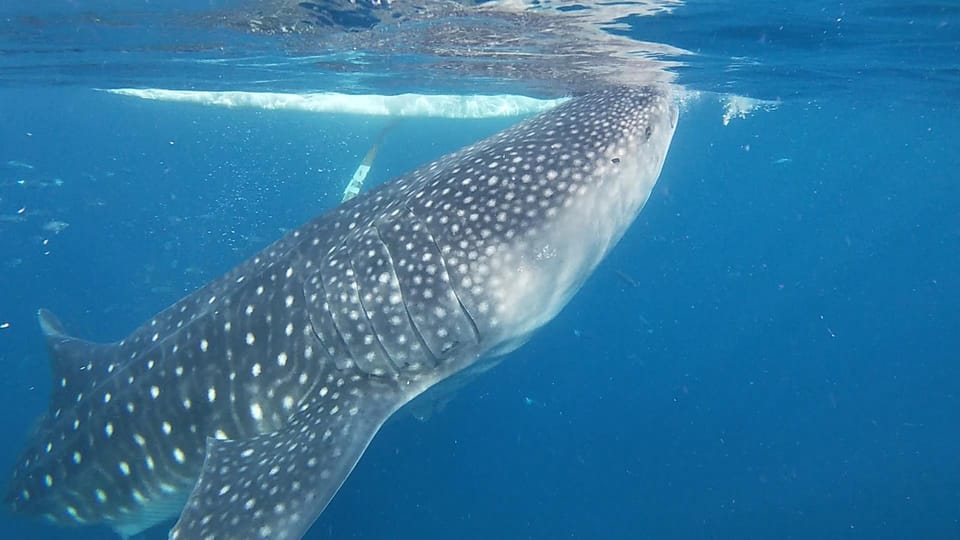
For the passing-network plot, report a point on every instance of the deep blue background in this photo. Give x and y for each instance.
(771, 352)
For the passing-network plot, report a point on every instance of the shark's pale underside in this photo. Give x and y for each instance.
(244, 406)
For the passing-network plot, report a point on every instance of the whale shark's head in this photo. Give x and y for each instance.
(525, 216)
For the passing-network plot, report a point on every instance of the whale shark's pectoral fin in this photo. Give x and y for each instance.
(276, 484)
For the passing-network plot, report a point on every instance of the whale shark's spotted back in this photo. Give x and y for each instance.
(247, 403)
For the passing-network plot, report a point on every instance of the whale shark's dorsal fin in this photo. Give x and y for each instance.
(78, 366)
(50, 325)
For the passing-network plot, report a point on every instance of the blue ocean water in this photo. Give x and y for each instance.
(771, 351)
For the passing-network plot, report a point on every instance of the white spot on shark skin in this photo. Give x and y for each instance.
(256, 412)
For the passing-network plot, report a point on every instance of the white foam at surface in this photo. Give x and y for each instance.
(739, 107)
(735, 107)
(402, 105)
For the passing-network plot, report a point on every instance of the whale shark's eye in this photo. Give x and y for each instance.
(648, 132)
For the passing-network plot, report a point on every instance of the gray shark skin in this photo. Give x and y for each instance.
(244, 406)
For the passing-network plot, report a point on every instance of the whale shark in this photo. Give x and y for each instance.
(243, 407)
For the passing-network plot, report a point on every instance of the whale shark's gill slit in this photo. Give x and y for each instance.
(432, 358)
(232, 412)
(324, 341)
(432, 239)
(466, 313)
(386, 361)
(322, 322)
(453, 290)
